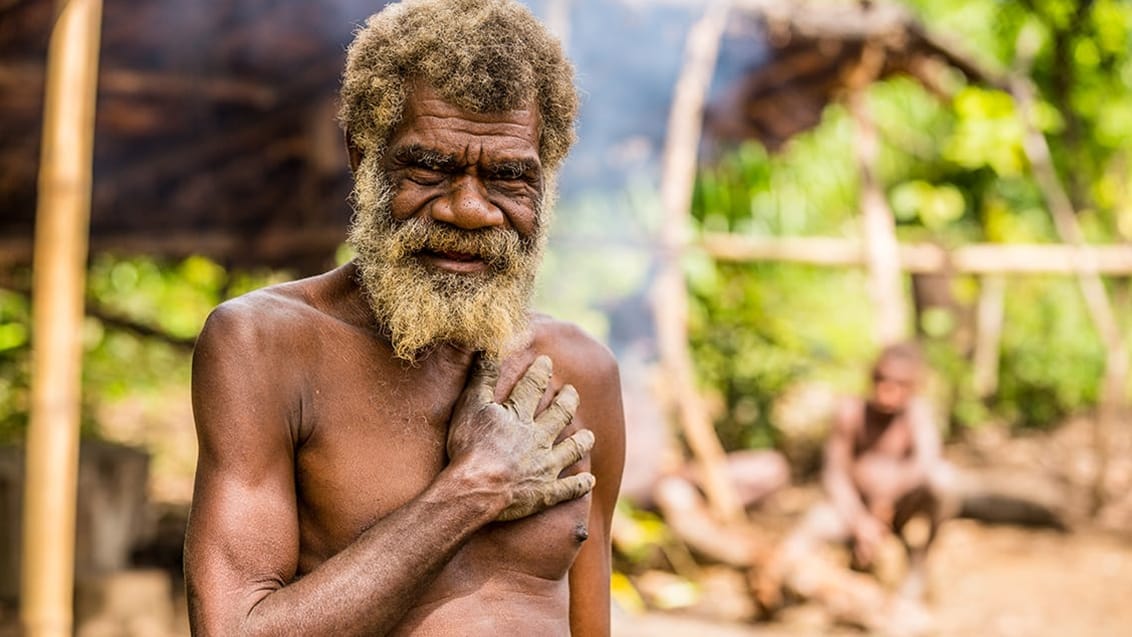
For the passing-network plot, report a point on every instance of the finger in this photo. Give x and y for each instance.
(568, 488)
(480, 388)
(528, 391)
(531, 502)
(571, 449)
(560, 412)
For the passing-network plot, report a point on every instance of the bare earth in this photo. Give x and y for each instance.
(985, 582)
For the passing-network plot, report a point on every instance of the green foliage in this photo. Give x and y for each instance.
(757, 329)
(1051, 352)
(14, 313)
(159, 298)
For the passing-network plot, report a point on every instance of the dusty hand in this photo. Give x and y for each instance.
(511, 448)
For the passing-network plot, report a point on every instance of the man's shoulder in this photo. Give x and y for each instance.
(849, 414)
(252, 315)
(571, 347)
(278, 313)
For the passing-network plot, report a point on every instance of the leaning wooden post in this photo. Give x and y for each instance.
(678, 175)
(882, 252)
(59, 279)
(1088, 278)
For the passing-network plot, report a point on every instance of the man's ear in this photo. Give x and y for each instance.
(352, 150)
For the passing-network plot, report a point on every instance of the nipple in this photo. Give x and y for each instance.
(581, 533)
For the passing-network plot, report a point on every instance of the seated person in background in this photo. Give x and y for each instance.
(882, 468)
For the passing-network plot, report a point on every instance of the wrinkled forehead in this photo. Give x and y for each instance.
(431, 121)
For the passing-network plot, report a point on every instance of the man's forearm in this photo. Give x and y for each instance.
(368, 587)
(845, 497)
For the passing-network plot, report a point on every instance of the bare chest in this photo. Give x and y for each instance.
(373, 444)
(892, 440)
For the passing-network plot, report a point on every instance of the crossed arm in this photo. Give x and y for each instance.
(243, 541)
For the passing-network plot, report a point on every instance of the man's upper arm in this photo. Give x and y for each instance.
(242, 540)
(926, 435)
(601, 411)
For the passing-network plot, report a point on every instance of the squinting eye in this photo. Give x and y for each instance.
(424, 176)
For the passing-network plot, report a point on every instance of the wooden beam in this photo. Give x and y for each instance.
(926, 258)
(59, 276)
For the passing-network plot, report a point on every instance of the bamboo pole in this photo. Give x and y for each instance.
(62, 220)
(670, 294)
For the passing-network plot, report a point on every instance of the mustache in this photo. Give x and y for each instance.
(497, 247)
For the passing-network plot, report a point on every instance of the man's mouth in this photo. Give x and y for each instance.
(453, 261)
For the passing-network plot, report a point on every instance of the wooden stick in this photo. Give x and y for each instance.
(882, 257)
(988, 337)
(670, 294)
(926, 258)
(47, 580)
(1092, 286)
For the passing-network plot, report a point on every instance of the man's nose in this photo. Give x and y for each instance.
(466, 206)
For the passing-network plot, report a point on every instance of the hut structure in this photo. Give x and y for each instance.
(215, 131)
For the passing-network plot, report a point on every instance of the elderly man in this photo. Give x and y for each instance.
(398, 446)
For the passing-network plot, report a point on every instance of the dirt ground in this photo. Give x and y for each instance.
(986, 581)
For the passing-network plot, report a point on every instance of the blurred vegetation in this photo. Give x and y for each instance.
(142, 317)
(955, 172)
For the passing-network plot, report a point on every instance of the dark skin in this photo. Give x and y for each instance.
(879, 451)
(341, 491)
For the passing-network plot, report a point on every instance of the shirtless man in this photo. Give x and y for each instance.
(398, 447)
(883, 467)
(883, 463)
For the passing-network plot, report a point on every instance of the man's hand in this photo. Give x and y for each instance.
(512, 449)
(868, 532)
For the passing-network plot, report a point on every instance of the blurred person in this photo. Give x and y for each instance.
(883, 467)
(400, 446)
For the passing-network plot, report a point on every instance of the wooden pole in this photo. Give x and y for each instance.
(1092, 285)
(988, 340)
(59, 277)
(678, 175)
(886, 281)
(558, 20)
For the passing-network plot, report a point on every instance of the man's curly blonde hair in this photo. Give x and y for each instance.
(481, 55)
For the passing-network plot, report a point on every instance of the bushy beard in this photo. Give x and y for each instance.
(420, 306)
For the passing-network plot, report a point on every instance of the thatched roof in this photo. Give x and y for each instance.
(215, 128)
(818, 50)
